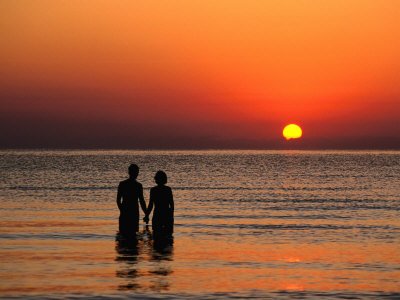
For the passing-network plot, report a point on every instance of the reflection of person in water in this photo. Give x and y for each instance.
(130, 191)
(162, 200)
(135, 257)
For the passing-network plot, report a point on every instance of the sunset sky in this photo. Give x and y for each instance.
(199, 74)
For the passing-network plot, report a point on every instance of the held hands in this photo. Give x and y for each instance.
(146, 219)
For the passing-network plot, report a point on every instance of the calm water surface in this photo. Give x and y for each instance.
(247, 224)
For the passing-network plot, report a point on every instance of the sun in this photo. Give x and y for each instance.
(292, 131)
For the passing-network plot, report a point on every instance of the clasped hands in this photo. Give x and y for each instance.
(146, 219)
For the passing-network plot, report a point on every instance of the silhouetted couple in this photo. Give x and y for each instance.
(130, 191)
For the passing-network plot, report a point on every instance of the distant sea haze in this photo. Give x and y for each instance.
(248, 224)
(36, 140)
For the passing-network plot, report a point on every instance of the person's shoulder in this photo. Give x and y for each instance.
(165, 189)
(123, 182)
(158, 188)
(139, 184)
(123, 186)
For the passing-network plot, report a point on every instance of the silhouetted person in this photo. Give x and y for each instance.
(162, 200)
(130, 191)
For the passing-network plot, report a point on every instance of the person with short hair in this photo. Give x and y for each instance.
(162, 199)
(129, 191)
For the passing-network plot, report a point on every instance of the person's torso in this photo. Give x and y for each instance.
(161, 197)
(130, 190)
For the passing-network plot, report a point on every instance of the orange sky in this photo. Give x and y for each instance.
(199, 73)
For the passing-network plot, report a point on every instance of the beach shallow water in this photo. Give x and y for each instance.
(248, 224)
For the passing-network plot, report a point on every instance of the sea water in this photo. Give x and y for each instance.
(248, 224)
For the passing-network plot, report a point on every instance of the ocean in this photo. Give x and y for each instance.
(248, 225)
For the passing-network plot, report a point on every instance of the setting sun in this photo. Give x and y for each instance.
(292, 131)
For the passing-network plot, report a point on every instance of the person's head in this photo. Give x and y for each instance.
(160, 178)
(133, 171)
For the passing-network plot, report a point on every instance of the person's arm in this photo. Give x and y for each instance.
(119, 196)
(171, 202)
(151, 204)
(141, 200)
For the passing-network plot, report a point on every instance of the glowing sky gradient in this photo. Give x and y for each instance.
(199, 74)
